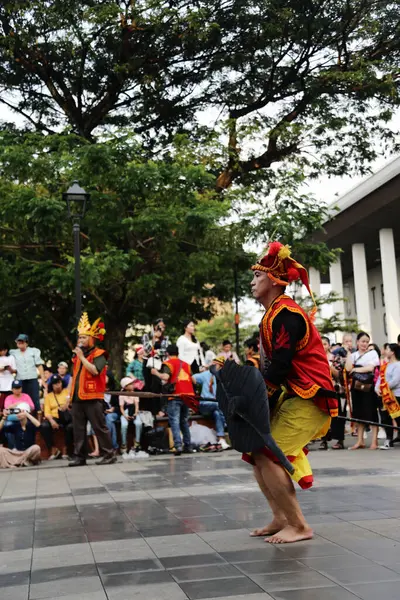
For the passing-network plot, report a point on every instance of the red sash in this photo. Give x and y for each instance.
(389, 400)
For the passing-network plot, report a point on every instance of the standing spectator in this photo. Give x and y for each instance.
(189, 348)
(57, 415)
(88, 387)
(388, 389)
(135, 368)
(7, 370)
(361, 365)
(111, 409)
(129, 406)
(29, 362)
(228, 353)
(18, 400)
(24, 451)
(326, 343)
(208, 403)
(209, 355)
(177, 374)
(340, 382)
(347, 342)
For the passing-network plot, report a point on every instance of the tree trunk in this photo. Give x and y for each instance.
(115, 345)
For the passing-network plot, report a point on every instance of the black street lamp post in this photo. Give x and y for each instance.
(76, 199)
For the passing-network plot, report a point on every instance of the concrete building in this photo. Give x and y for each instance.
(367, 228)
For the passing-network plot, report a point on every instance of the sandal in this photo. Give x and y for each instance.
(338, 446)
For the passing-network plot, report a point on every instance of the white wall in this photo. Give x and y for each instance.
(378, 332)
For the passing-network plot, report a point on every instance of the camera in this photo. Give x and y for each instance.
(14, 411)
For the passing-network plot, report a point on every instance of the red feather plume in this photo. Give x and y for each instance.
(293, 274)
(273, 248)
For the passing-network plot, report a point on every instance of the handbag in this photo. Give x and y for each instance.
(64, 416)
(362, 382)
(169, 387)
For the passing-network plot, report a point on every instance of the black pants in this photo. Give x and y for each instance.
(82, 412)
(48, 434)
(338, 425)
(386, 419)
(31, 387)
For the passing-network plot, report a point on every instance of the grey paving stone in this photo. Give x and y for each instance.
(331, 593)
(291, 581)
(199, 573)
(178, 545)
(173, 562)
(14, 578)
(100, 595)
(371, 591)
(164, 591)
(129, 566)
(253, 596)
(361, 574)
(136, 579)
(60, 573)
(218, 588)
(16, 592)
(270, 566)
(63, 587)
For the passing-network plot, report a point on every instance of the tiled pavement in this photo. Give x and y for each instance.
(176, 528)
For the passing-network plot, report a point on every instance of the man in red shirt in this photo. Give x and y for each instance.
(178, 373)
(300, 392)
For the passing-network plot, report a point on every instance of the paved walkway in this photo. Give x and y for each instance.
(174, 528)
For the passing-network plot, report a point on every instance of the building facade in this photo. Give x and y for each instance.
(365, 224)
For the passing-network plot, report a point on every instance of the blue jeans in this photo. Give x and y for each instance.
(178, 416)
(111, 419)
(209, 407)
(124, 429)
(10, 428)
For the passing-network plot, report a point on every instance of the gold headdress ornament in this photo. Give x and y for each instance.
(95, 330)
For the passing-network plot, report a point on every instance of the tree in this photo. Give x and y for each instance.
(221, 328)
(312, 83)
(149, 238)
(326, 325)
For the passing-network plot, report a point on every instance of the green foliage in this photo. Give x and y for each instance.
(313, 82)
(337, 322)
(220, 328)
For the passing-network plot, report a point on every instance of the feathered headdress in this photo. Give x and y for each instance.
(282, 268)
(95, 330)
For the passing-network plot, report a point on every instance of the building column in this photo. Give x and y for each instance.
(315, 281)
(361, 287)
(390, 283)
(336, 279)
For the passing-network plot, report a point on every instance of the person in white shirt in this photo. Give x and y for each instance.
(361, 366)
(189, 348)
(8, 368)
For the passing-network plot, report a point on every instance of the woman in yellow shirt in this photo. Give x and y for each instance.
(54, 402)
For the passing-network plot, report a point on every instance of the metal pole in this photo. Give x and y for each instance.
(77, 259)
(237, 316)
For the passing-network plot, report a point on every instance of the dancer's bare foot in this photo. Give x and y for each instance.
(269, 529)
(290, 534)
(357, 446)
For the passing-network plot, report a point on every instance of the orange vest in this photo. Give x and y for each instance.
(91, 387)
(183, 379)
(310, 370)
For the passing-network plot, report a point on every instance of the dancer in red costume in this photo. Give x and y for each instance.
(300, 391)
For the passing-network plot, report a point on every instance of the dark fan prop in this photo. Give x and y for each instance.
(242, 397)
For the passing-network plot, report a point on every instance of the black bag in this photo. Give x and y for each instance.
(169, 387)
(157, 439)
(64, 416)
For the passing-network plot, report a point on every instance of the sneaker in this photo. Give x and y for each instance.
(224, 444)
(188, 450)
(142, 454)
(176, 451)
(126, 456)
(132, 453)
(55, 456)
(386, 446)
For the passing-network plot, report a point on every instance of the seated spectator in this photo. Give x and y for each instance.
(15, 400)
(23, 451)
(177, 374)
(57, 415)
(112, 415)
(228, 353)
(129, 408)
(135, 368)
(208, 403)
(252, 353)
(62, 372)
